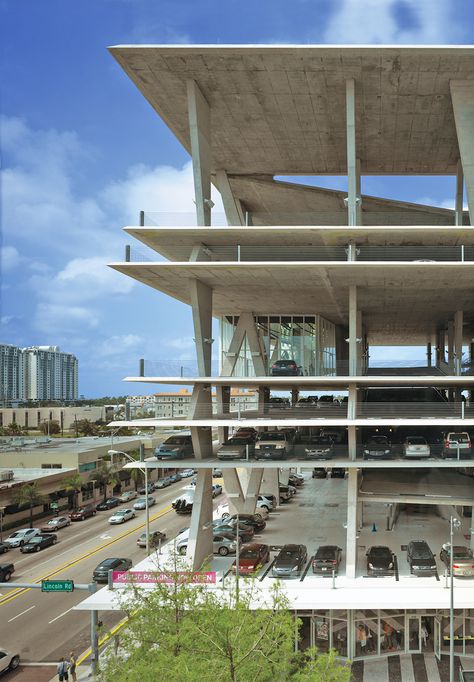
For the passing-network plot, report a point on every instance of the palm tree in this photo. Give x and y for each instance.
(73, 484)
(137, 477)
(29, 495)
(104, 475)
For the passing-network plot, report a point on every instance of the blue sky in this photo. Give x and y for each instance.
(83, 152)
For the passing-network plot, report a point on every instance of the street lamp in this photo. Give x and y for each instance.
(145, 472)
(2, 510)
(453, 523)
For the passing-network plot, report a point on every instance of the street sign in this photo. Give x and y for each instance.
(54, 505)
(57, 586)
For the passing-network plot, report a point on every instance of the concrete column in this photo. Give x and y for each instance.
(271, 483)
(233, 488)
(199, 114)
(202, 442)
(458, 211)
(284, 476)
(263, 395)
(428, 354)
(358, 195)
(200, 406)
(352, 331)
(223, 407)
(234, 212)
(245, 328)
(294, 396)
(242, 486)
(200, 533)
(201, 302)
(360, 345)
(351, 535)
(254, 482)
(472, 534)
(360, 515)
(451, 346)
(352, 402)
(353, 176)
(352, 442)
(462, 96)
(200, 252)
(458, 336)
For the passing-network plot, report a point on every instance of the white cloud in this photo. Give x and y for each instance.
(118, 344)
(10, 258)
(180, 343)
(59, 319)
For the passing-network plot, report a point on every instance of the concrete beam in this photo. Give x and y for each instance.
(201, 303)
(233, 208)
(462, 96)
(353, 167)
(200, 532)
(199, 114)
(351, 532)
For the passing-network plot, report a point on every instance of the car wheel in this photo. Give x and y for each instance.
(225, 515)
(55, 541)
(264, 506)
(68, 523)
(223, 551)
(7, 577)
(14, 663)
(182, 550)
(37, 549)
(21, 543)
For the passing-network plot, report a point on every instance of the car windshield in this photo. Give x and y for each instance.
(140, 500)
(121, 512)
(18, 534)
(423, 552)
(285, 363)
(416, 440)
(35, 539)
(174, 441)
(378, 440)
(459, 437)
(272, 436)
(379, 552)
(321, 440)
(326, 553)
(288, 552)
(249, 554)
(236, 441)
(462, 553)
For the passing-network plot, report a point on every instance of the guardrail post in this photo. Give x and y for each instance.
(238, 252)
(141, 371)
(127, 253)
(462, 252)
(142, 218)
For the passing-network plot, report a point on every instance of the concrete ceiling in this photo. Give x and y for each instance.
(429, 482)
(400, 303)
(281, 110)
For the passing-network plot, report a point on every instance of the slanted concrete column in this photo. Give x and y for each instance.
(458, 211)
(200, 533)
(351, 535)
(245, 328)
(200, 252)
(428, 354)
(462, 96)
(458, 336)
(451, 346)
(353, 165)
(271, 483)
(242, 486)
(284, 476)
(352, 442)
(234, 212)
(199, 114)
(223, 407)
(202, 442)
(201, 302)
(352, 331)
(200, 406)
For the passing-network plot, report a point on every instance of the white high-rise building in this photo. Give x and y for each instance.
(11, 373)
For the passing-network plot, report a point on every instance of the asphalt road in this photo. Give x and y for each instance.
(42, 626)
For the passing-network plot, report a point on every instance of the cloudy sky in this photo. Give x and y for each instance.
(83, 153)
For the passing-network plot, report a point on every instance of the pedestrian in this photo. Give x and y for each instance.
(63, 670)
(424, 634)
(72, 666)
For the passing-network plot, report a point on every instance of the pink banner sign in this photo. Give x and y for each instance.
(153, 577)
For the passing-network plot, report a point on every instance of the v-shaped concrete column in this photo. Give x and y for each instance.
(199, 114)
(462, 96)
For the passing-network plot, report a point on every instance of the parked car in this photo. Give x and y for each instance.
(141, 502)
(296, 479)
(335, 472)
(237, 448)
(290, 561)
(245, 432)
(128, 496)
(165, 481)
(274, 445)
(244, 532)
(84, 512)
(308, 403)
(6, 572)
(19, 537)
(186, 473)
(420, 558)
(319, 447)
(176, 477)
(251, 558)
(253, 520)
(39, 542)
(463, 559)
(327, 560)
(222, 543)
(454, 442)
(4, 547)
(318, 472)
(377, 447)
(56, 524)
(216, 489)
(277, 403)
(143, 490)
(268, 502)
(122, 515)
(416, 446)
(325, 401)
(175, 447)
(261, 509)
(335, 433)
(156, 536)
(8, 661)
(101, 572)
(286, 492)
(285, 368)
(380, 560)
(108, 504)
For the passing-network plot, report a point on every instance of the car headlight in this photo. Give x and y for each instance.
(390, 565)
(366, 452)
(295, 568)
(279, 447)
(371, 565)
(387, 452)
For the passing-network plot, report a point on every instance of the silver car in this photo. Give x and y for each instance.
(141, 502)
(127, 496)
(222, 544)
(8, 661)
(416, 446)
(236, 448)
(122, 515)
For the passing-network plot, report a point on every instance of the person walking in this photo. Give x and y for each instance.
(63, 670)
(72, 666)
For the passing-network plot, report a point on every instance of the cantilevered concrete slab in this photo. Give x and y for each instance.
(281, 109)
(420, 486)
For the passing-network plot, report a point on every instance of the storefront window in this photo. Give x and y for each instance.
(339, 636)
(366, 638)
(392, 630)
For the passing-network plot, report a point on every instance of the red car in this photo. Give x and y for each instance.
(252, 557)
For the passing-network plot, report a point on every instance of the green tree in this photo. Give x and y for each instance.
(85, 427)
(73, 485)
(14, 429)
(50, 427)
(29, 496)
(104, 476)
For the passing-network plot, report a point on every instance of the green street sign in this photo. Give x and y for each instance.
(54, 505)
(57, 586)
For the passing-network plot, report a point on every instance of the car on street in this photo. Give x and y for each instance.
(377, 447)
(143, 490)
(216, 489)
(8, 660)
(256, 522)
(186, 473)
(222, 544)
(122, 515)
(176, 477)
(319, 447)
(55, 524)
(252, 557)
(156, 536)
(128, 496)
(166, 481)
(290, 561)
(101, 572)
(327, 559)
(380, 560)
(421, 559)
(84, 512)
(285, 368)
(463, 559)
(416, 447)
(273, 445)
(237, 448)
(19, 537)
(39, 542)
(4, 547)
(6, 572)
(141, 502)
(175, 447)
(108, 504)
(456, 442)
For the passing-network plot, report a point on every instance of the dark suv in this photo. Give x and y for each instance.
(101, 572)
(6, 571)
(420, 558)
(285, 368)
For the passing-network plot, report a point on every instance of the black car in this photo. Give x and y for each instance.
(110, 503)
(39, 542)
(285, 368)
(326, 560)
(380, 560)
(377, 447)
(420, 558)
(319, 447)
(318, 472)
(246, 533)
(174, 478)
(290, 561)
(4, 547)
(257, 523)
(6, 572)
(335, 472)
(101, 572)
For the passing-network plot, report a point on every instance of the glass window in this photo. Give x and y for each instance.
(321, 631)
(366, 638)
(339, 636)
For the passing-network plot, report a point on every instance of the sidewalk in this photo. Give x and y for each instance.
(83, 673)
(408, 668)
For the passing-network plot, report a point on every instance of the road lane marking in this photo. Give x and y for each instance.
(22, 613)
(60, 615)
(105, 537)
(70, 564)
